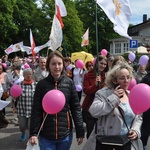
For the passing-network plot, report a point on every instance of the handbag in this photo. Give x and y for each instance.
(36, 147)
(33, 147)
(3, 121)
(117, 142)
(109, 142)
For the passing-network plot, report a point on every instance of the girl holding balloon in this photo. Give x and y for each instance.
(56, 132)
(105, 108)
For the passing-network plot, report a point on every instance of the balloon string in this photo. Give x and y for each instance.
(56, 85)
(41, 125)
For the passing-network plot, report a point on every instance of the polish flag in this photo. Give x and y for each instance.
(32, 44)
(60, 11)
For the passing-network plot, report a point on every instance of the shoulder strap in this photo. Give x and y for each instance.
(123, 118)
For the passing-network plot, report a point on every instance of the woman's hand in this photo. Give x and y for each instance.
(33, 140)
(119, 92)
(79, 140)
(132, 135)
(98, 80)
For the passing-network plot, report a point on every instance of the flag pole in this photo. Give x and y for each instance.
(97, 61)
(97, 37)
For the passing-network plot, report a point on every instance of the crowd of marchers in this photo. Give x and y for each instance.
(96, 94)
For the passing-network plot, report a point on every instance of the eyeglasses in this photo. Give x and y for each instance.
(124, 78)
(90, 65)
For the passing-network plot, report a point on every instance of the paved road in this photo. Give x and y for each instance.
(9, 137)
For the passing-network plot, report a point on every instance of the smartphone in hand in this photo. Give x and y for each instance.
(115, 85)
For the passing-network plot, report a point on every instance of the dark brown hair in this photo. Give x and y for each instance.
(97, 60)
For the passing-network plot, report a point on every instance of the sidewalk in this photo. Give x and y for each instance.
(9, 136)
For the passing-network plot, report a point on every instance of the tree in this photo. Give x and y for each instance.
(7, 27)
(26, 16)
(17, 18)
(87, 13)
(73, 30)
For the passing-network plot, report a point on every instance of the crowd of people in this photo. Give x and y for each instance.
(98, 103)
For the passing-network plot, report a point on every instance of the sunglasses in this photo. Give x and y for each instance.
(90, 65)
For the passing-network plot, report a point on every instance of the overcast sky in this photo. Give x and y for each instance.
(138, 8)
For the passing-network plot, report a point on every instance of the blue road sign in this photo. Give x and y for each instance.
(133, 43)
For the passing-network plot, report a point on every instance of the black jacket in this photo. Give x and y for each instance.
(59, 125)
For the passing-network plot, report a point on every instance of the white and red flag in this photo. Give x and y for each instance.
(85, 38)
(56, 35)
(32, 44)
(60, 11)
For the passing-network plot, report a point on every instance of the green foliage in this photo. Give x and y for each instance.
(73, 30)
(18, 16)
(87, 13)
(7, 27)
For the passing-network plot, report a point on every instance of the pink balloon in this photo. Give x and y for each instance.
(132, 84)
(53, 101)
(79, 64)
(26, 66)
(139, 98)
(104, 52)
(16, 91)
(131, 56)
(78, 88)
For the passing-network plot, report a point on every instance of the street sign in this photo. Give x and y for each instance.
(133, 43)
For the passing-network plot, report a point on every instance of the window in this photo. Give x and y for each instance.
(117, 48)
(125, 47)
(111, 48)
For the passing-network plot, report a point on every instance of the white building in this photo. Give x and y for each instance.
(139, 32)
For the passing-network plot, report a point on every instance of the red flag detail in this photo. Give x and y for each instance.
(32, 44)
(58, 15)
